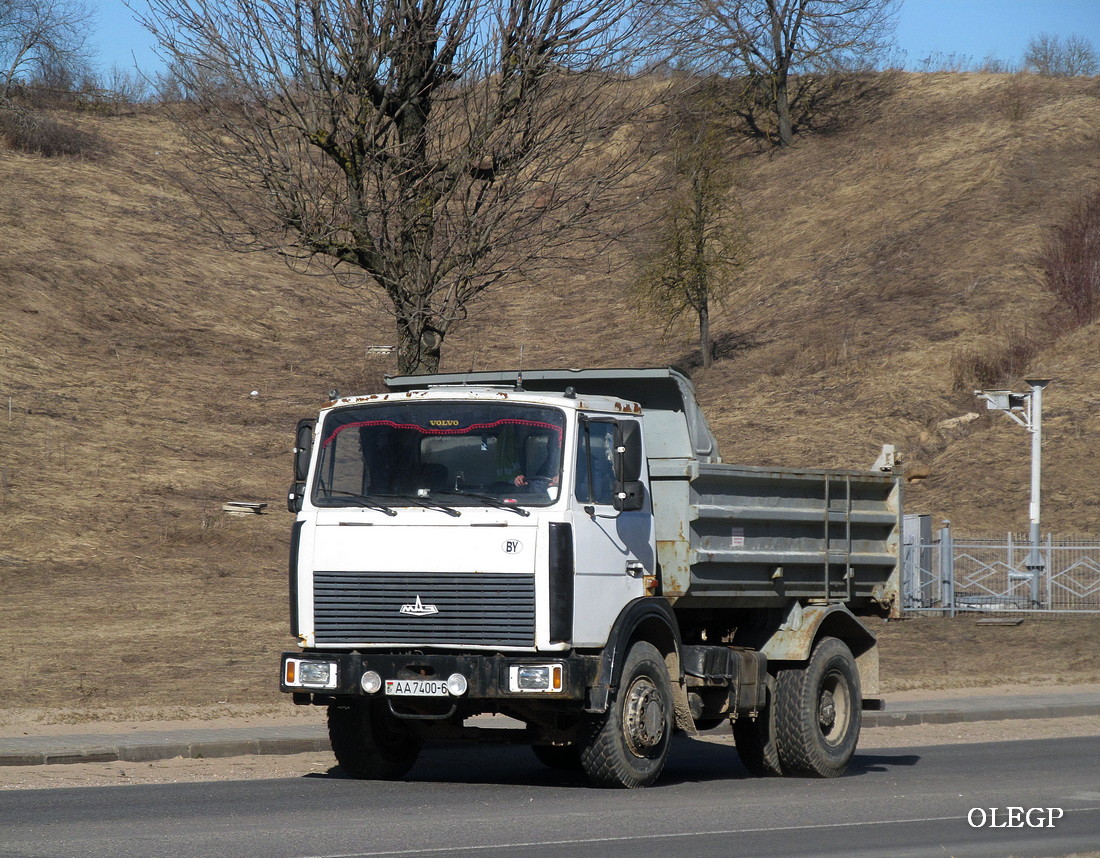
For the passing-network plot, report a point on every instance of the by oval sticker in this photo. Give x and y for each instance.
(512, 546)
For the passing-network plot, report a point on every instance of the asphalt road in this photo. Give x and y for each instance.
(492, 801)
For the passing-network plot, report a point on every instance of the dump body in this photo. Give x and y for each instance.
(758, 537)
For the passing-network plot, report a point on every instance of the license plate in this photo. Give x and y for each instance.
(416, 688)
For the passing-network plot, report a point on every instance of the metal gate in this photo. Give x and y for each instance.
(944, 573)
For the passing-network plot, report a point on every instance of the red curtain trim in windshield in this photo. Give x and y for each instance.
(429, 431)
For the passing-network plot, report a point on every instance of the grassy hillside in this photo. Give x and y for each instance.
(131, 343)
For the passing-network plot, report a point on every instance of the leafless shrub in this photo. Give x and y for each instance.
(1071, 262)
(1017, 98)
(939, 61)
(995, 65)
(40, 134)
(125, 87)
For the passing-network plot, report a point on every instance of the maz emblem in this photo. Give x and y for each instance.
(419, 609)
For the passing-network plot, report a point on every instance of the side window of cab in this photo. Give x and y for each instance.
(595, 482)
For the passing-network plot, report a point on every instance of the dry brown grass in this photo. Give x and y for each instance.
(130, 343)
(936, 653)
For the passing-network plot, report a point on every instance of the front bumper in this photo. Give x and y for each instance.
(487, 675)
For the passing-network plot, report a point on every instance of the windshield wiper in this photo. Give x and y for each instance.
(425, 502)
(499, 504)
(363, 499)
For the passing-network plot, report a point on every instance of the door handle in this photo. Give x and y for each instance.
(635, 569)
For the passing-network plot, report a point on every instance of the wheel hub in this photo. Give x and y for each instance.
(826, 712)
(644, 724)
(834, 708)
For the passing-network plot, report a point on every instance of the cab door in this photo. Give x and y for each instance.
(613, 550)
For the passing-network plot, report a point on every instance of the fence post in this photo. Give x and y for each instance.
(907, 596)
(947, 568)
(1049, 570)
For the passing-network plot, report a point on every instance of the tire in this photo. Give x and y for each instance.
(629, 745)
(565, 758)
(819, 712)
(370, 742)
(755, 741)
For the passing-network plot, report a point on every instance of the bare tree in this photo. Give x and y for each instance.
(126, 86)
(776, 47)
(435, 147)
(702, 245)
(1051, 56)
(47, 37)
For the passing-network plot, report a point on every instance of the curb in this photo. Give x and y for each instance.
(63, 750)
(260, 741)
(968, 710)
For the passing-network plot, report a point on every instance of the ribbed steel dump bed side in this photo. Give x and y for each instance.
(744, 536)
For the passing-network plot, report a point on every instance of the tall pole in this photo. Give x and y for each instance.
(1035, 562)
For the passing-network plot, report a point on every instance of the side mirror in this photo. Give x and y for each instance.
(303, 447)
(629, 489)
(628, 451)
(294, 497)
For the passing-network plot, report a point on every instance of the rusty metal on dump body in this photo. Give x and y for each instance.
(675, 557)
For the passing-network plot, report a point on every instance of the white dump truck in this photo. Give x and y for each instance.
(568, 549)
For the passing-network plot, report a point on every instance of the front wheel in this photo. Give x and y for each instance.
(370, 742)
(819, 712)
(629, 746)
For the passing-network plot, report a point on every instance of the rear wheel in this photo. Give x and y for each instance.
(629, 746)
(370, 742)
(755, 740)
(819, 712)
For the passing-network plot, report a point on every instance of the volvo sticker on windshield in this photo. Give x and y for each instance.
(419, 609)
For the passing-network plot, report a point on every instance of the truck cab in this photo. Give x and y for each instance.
(478, 502)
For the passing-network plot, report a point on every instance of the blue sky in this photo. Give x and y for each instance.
(971, 28)
(999, 28)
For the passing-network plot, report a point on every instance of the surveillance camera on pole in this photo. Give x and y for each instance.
(1027, 410)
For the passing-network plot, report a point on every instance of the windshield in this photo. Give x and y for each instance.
(456, 453)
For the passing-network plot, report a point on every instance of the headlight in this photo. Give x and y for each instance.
(300, 673)
(535, 677)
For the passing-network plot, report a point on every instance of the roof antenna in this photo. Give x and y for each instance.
(523, 337)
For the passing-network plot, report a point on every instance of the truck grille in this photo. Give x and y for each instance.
(366, 607)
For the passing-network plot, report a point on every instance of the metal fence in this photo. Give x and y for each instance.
(945, 573)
